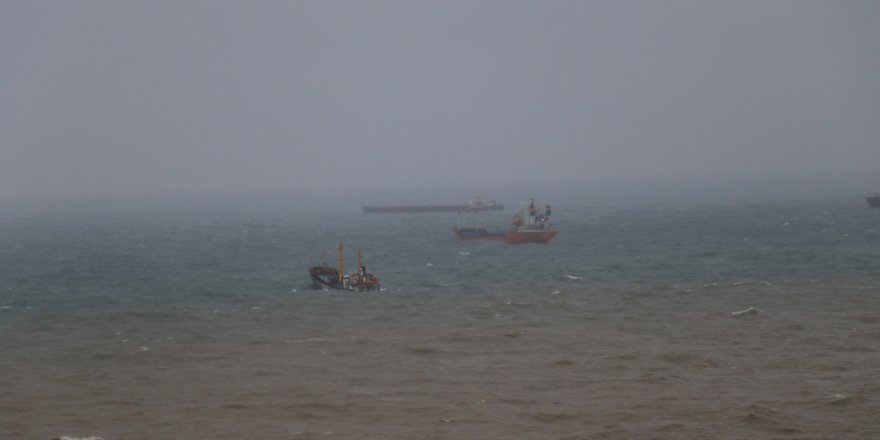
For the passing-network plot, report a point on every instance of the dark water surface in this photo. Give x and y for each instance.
(739, 321)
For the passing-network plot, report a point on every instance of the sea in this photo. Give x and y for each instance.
(197, 320)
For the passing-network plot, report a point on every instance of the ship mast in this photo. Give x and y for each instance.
(360, 259)
(339, 261)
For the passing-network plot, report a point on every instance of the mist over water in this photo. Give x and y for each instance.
(130, 100)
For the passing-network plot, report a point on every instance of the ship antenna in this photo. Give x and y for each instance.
(339, 260)
(360, 259)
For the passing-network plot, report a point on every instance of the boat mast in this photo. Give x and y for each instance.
(360, 259)
(339, 261)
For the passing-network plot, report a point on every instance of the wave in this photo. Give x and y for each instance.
(748, 311)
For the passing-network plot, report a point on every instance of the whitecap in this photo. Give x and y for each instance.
(463, 253)
(64, 437)
(572, 277)
(556, 292)
(298, 341)
(5, 307)
(748, 311)
(429, 265)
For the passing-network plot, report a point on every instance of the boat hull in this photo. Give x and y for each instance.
(328, 278)
(873, 201)
(522, 237)
(324, 277)
(321, 283)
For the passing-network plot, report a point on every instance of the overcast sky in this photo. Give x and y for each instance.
(144, 97)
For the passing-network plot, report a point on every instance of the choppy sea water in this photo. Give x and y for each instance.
(701, 321)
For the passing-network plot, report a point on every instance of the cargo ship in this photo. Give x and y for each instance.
(527, 227)
(474, 205)
(873, 201)
(326, 277)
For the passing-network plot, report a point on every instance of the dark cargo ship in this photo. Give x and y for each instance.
(475, 205)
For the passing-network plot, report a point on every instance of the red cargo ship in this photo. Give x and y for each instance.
(527, 227)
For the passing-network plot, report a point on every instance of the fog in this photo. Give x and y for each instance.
(120, 99)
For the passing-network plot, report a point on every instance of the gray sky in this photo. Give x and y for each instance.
(152, 97)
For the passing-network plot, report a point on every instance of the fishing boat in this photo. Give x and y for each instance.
(326, 277)
(527, 226)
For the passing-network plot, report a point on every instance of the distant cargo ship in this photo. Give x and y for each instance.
(476, 204)
(873, 201)
(527, 227)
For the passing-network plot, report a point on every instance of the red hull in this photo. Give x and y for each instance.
(529, 237)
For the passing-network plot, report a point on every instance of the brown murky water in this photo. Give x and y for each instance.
(800, 361)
